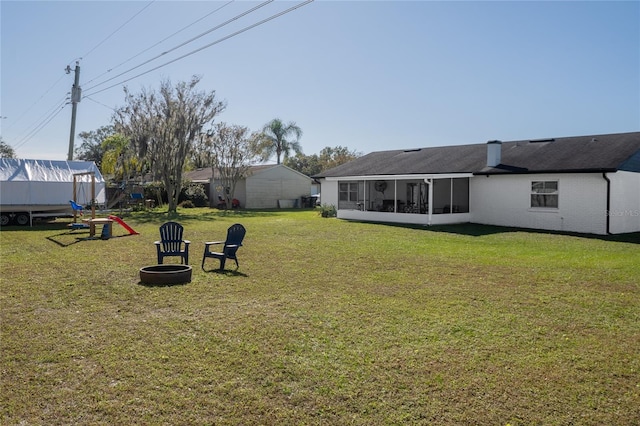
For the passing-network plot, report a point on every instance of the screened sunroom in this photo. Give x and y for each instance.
(424, 199)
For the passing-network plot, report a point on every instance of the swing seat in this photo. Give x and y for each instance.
(75, 226)
(77, 207)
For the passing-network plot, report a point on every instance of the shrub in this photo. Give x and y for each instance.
(187, 204)
(328, 210)
(195, 193)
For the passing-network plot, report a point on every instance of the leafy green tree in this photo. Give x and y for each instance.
(118, 158)
(274, 139)
(328, 158)
(306, 164)
(91, 148)
(163, 126)
(6, 150)
(333, 157)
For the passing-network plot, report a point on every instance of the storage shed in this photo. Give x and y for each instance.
(265, 187)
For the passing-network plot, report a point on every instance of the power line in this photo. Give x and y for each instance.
(42, 125)
(277, 15)
(43, 116)
(184, 43)
(118, 29)
(99, 103)
(161, 41)
(34, 103)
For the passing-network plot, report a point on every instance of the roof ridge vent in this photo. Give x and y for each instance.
(413, 150)
(542, 140)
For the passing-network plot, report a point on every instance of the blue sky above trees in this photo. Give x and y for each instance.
(365, 75)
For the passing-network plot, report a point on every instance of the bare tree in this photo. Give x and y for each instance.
(163, 126)
(232, 151)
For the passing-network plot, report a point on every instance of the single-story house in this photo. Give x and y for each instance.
(585, 184)
(266, 186)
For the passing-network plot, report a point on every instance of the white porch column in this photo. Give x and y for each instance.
(364, 195)
(395, 196)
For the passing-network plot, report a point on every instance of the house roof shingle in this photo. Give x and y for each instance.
(595, 153)
(204, 174)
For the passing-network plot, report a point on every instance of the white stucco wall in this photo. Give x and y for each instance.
(264, 189)
(506, 201)
(241, 193)
(624, 211)
(216, 189)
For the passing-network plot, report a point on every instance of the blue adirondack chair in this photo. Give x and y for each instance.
(171, 243)
(235, 235)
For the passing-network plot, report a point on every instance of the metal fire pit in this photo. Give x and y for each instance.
(165, 274)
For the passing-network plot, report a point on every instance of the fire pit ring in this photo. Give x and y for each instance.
(165, 274)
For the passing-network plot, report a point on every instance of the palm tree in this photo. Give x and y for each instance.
(275, 136)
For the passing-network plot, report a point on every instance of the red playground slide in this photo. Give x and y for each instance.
(123, 224)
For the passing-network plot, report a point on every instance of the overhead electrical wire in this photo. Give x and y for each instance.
(118, 29)
(99, 103)
(58, 108)
(245, 29)
(42, 124)
(160, 42)
(34, 103)
(40, 119)
(235, 18)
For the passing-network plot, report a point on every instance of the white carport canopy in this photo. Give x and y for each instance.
(46, 182)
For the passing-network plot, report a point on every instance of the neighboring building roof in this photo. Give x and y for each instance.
(199, 175)
(205, 174)
(596, 153)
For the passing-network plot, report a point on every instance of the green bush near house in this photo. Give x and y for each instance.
(328, 210)
(325, 322)
(196, 194)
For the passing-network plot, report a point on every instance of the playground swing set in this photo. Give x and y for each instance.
(90, 223)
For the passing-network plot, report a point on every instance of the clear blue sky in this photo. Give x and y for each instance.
(368, 75)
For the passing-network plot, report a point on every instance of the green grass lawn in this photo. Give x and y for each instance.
(325, 322)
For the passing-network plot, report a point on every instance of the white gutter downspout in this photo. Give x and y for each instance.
(607, 215)
(429, 181)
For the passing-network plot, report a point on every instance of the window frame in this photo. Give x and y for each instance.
(351, 191)
(544, 193)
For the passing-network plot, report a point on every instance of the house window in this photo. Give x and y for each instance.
(544, 194)
(349, 191)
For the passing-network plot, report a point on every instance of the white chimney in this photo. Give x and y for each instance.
(494, 153)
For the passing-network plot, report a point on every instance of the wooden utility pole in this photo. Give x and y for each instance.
(76, 94)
